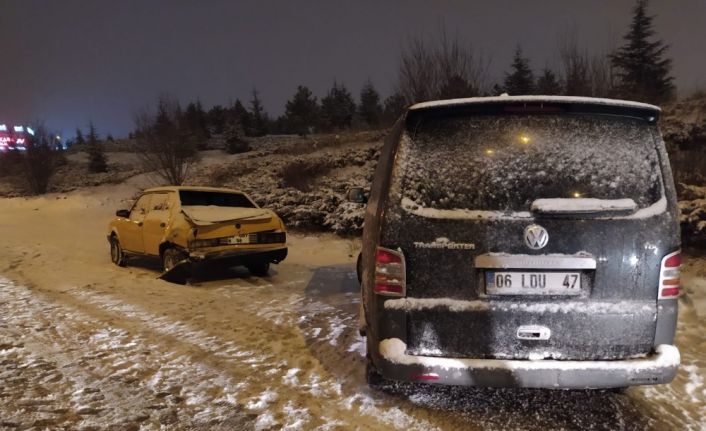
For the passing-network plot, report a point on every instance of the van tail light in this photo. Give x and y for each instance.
(390, 276)
(669, 282)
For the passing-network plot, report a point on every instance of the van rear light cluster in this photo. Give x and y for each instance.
(389, 272)
(669, 283)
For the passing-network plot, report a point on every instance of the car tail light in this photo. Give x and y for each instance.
(669, 283)
(389, 272)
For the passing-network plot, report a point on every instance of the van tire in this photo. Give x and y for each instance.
(260, 269)
(117, 256)
(372, 375)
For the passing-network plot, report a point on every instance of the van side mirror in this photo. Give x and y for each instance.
(123, 213)
(357, 195)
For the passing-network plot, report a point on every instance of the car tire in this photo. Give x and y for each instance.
(117, 256)
(171, 257)
(260, 269)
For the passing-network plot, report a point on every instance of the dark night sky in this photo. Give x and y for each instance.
(68, 62)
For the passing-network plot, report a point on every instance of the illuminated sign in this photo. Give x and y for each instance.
(19, 129)
(30, 130)
(3, 128)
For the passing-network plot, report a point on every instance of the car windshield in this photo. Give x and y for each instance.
(220, 199)
(504, 163)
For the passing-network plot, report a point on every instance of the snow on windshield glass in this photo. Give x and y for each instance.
(504, 163)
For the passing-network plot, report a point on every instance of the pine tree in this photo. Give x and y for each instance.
(239, 111)
(520, 81)
(642, 69)
(456, 87)
(96, 156)
(79, 138)
(394, 106)
(370, 109)
(194, 122)
(216, 119)
(258, 117)
(234, 134)
(547, 83)
(301, 111)
(337, 108)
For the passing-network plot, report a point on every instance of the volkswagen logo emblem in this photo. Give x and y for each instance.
(536, 236)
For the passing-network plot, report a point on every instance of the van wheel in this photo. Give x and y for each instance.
(359, 267)
(171, 257)
(372, 375)
(116, 252)
(260, 269)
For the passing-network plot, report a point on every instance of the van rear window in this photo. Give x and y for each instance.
(505, 162)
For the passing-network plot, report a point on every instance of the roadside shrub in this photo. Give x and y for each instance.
(39, 161)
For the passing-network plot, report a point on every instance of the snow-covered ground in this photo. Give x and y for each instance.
(87, 345)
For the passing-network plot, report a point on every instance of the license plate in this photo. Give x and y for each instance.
(532, 283)
(239, 239)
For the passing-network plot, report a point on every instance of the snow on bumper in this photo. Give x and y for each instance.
(661, 367)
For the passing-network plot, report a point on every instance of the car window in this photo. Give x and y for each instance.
(159, 202)
(505, 162)
(219, 199)
(141, 207)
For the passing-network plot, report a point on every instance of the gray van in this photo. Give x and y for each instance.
(526, 241)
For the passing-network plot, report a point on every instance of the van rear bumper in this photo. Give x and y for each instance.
(659, 367)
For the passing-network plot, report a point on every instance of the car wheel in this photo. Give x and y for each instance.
(116, 252)
(260, 269)
(171, 257)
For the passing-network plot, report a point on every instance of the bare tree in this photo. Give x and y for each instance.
(584, 74)
(440, 67)
(601, 72)
(164, 142)
(417, 78)
(575, 66)
(39, 160)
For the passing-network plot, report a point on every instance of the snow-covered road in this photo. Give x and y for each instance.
(87, 345)
(273, 353)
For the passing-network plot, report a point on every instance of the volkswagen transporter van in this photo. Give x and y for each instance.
(522, 242)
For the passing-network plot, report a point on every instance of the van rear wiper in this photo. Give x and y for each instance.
(583, 206)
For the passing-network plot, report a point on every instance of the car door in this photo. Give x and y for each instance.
(131, 236)
(155, 222)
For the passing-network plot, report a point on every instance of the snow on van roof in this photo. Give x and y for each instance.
(534, 99)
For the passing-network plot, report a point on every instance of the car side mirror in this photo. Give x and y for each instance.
(123, 213)
(357, 195)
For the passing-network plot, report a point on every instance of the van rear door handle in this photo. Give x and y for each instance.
(162, 224)
(139, 223)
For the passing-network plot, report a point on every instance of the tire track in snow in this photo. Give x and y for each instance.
(101, 372)
(281, 312)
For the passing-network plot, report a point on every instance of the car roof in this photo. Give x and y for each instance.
(191, 188)
(533, 99)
